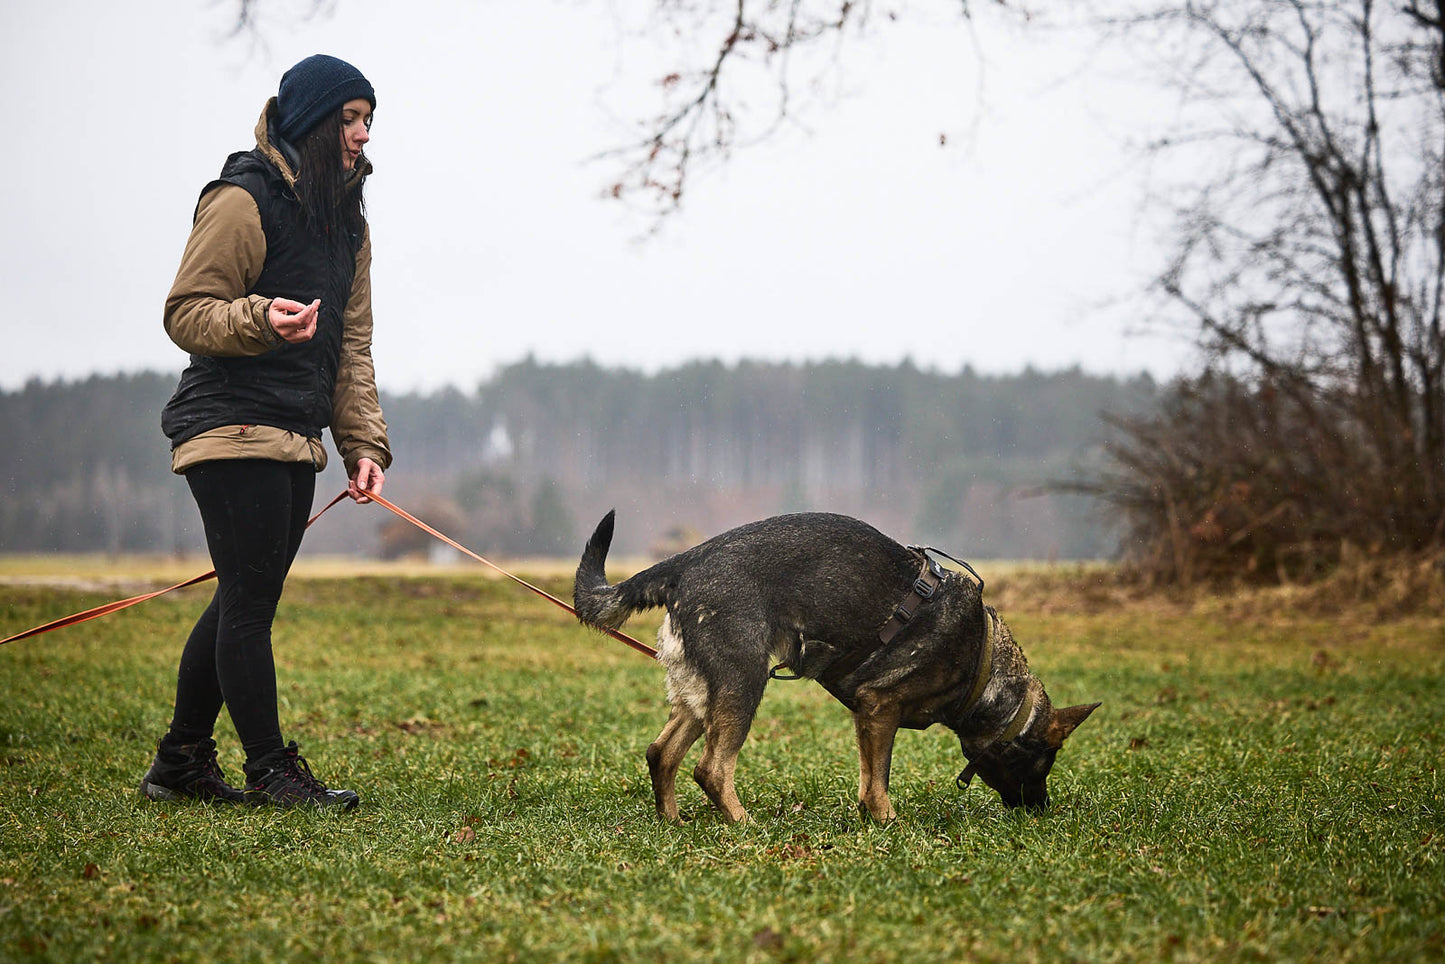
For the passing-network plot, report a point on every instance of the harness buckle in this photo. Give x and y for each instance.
(938, 570)
(924, 588)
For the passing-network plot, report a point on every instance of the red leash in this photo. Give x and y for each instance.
(114, 607)
(109, 608)
(642, 648)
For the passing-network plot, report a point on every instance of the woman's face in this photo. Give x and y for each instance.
(355, 130)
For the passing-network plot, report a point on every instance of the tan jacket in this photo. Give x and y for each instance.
(211, 310)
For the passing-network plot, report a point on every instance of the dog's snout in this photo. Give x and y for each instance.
(1034, 798)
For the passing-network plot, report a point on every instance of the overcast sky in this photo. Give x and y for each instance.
(854, 235)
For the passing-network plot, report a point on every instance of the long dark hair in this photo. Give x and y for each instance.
(330, 206)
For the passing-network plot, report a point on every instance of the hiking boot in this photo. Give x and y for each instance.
(282, 778)
(188, 772)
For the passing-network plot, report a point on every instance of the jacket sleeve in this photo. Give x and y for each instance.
(208, 311)
(357, 425)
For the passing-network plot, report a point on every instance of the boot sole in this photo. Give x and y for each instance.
(154, 791)
(344, 803)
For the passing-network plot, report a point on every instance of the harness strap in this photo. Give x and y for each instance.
(922, 590)
(930, 577)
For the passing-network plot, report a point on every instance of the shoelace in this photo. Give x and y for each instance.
(211, 769)
(202, 765)
(297, 767)
(215, 773)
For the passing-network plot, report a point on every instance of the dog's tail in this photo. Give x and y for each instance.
(604, 606)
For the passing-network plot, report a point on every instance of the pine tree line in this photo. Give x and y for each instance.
(526, 462)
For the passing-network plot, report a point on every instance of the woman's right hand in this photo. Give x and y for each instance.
(292, 320)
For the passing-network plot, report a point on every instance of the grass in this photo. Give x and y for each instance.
(1256, 786)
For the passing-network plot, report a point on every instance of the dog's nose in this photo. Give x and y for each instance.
(1035, 799)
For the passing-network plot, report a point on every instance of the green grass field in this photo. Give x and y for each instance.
(1259, 785)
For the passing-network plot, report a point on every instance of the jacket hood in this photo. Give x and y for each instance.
(285, 157)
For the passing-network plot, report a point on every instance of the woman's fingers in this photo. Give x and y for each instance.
(368, 478)
(292, 320)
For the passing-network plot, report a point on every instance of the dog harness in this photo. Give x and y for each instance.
(930, 577)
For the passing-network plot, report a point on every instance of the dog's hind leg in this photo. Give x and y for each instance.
(875, 726)
(665, 756)
(728, 719)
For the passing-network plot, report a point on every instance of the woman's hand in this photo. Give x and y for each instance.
(294, 321)
(367, 478)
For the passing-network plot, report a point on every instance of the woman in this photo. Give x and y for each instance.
(273, 302)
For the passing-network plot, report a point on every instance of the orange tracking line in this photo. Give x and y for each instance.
(112, 607)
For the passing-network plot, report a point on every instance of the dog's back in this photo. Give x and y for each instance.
(814, 569)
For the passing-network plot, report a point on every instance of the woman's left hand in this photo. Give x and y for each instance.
(368, 478)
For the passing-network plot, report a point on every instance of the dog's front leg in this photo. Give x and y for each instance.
(876, 726)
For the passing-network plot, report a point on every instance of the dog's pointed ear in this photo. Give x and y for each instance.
(1066, 720)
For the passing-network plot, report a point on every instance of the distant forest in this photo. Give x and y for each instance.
(526, 463)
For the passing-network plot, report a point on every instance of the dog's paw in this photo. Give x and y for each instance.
(882, 813)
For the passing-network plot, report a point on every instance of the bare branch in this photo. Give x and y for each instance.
(711, 116)
(1312, 265)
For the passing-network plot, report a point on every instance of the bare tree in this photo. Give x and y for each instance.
(1312, 263)
(738, 67)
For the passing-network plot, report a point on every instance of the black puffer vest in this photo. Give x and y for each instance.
(289, 387)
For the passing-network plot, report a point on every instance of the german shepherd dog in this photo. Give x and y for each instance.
(897, 639)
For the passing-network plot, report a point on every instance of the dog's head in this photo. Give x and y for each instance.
(1019, 768)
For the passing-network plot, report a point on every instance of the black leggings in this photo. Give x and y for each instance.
(255, 513)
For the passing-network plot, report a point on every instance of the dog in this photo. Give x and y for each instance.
(887, 631)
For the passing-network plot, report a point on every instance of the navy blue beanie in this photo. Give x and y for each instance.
(314, 88)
